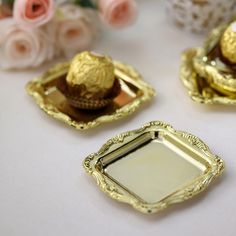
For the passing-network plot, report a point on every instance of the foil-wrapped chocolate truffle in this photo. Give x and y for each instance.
(90, 82)
(92, 71)
(228, 43)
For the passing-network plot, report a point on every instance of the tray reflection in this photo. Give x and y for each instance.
(155, 167)
(128, 94)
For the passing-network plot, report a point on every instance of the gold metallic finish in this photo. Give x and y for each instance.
(134, 92)
(228, 43)
(96, 73)
(214, 79)
(198, 88)
(224, 80)
(153, 167)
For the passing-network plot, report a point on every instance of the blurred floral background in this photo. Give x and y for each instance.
(35, 31)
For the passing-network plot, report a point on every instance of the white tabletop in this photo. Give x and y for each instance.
(44, 190)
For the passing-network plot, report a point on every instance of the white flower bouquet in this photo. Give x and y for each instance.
(35, 31)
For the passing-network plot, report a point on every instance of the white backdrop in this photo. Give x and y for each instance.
(44, 190)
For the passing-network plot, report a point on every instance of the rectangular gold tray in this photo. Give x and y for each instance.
(134, 92)
(153, 167)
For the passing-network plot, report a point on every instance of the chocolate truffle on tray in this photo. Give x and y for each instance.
(90, 82)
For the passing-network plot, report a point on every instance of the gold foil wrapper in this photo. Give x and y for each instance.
(93, 72)
(228, 43)
(73, 95)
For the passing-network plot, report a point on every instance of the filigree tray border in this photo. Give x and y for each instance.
(116, 192)
(34, 88)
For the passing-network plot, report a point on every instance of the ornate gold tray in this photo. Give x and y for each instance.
(153, 167)
(134, 92)
(209, 65)
(199, 89)
(209, 80)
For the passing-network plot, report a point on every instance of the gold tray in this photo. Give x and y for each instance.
(209, 65)
(153, 167)
(134, 92)
(207, 77)
(199, 89)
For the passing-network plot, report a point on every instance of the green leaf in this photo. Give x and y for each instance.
(86, 3)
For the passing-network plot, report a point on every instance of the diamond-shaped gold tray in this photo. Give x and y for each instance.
(134, 92)
(153, 167)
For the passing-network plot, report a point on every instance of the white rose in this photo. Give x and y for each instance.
(76, 29)
(23, 47)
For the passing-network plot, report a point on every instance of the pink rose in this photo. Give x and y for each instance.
(23, 47)
(76, 30)
(33, 13)
(117, 13)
